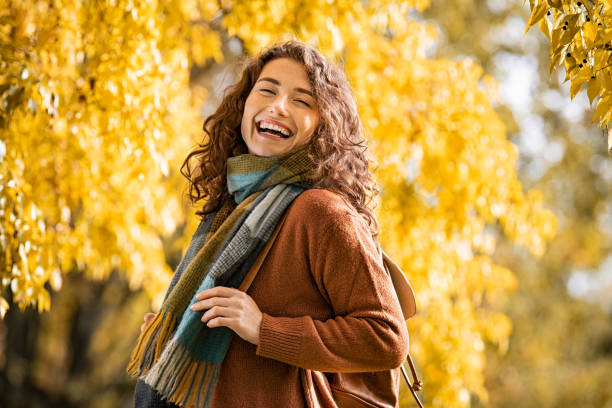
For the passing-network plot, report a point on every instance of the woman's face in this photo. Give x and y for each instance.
(280, 113)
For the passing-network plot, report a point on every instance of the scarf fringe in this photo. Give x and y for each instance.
(151, 343)
(181, 378)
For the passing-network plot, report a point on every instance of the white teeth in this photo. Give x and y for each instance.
(266, 125)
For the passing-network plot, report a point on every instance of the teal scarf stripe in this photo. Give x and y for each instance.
(248, 173)
(204, 342)
(243, 185)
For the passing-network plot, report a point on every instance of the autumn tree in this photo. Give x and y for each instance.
(99, 111)
(558, 354)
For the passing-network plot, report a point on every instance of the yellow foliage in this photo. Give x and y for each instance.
(580, 37)
(99, 116)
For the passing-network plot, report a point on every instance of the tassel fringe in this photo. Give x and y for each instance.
(181, 378)
(151, 343)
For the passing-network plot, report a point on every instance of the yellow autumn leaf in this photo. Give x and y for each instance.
(570, 66)
(601, 59)
(583, 75)
(557, 31)
(569, 31)
(545, 26)
(589, 33)
(606, 79)
(593, 88)
(557, 57)
(536, 14)
(607, 34)
(603, 106)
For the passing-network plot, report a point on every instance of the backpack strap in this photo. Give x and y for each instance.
(416, 385)
(407, 302)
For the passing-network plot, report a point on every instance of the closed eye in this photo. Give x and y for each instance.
(266, 90)
(304, 102)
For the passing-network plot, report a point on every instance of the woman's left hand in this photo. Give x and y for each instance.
(231, 308)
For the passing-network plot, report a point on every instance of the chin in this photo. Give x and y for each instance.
(263, 152)
(260, 149)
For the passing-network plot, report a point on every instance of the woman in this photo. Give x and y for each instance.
(285, 153)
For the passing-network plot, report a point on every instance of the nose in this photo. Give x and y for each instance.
(279, 105)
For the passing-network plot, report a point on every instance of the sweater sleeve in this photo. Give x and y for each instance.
(367, 332)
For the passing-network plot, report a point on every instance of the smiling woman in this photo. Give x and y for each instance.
(280, 112)
(284, 172)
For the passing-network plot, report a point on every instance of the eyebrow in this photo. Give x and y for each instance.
(275, 82)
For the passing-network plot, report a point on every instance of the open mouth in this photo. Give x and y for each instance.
(269, 129)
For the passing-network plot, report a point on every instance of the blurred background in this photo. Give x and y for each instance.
(496, 187)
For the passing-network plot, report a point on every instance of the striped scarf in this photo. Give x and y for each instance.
(176, 353)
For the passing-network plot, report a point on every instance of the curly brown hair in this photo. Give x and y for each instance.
(338, 147)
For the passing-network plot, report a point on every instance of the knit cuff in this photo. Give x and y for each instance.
(280, 338)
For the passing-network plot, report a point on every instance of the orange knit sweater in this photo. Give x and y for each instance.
(327, 303)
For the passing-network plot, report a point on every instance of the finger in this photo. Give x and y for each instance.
(143, 326)
(219, 311)
(221, 321)
(221, 291)
(211, 302)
